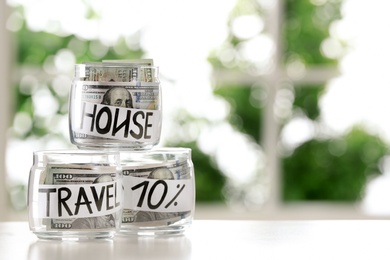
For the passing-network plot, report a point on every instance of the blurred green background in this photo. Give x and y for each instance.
(323, 168)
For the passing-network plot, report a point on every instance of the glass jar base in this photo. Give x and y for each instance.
(153, 231)
(75, 236)
(97, 144)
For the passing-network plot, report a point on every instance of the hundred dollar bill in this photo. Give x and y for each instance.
(146, 73)
(117, 71)
(99, 72)
(130, 95)
(166, 171)
(73, 182)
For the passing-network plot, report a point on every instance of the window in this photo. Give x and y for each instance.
(261, 90)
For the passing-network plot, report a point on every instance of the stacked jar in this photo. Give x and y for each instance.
(114, 110)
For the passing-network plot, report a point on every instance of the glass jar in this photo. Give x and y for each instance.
(159, 191)
(75, 194)
(115, 105)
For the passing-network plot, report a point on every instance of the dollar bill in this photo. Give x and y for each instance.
(67, 175)
(117, 71)
(137, 96)
(166, 171)
(145, 73)
(99, 72)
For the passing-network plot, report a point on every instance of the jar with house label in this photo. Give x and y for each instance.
(115, 104)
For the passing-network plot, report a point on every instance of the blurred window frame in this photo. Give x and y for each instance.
(5, 86)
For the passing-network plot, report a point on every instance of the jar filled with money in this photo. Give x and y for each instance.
(75, 194)
(159, 191)
(115, 104)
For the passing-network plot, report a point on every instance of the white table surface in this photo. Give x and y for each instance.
(330, 239)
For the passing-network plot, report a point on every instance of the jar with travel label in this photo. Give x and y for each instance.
(75, 194)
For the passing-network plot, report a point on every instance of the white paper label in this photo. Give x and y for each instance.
(79, 201)
(158, 195)
(118, 123)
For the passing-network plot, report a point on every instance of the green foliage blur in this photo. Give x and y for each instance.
(33, 49)
(333, 169)
(306, 25)
(320, 169)
(245, 116)
(306, 100)
(325, 169)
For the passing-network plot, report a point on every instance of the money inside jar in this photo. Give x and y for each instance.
(115, 104)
